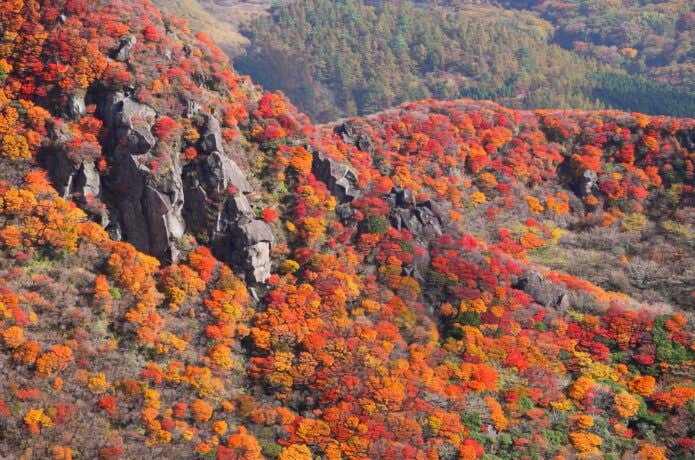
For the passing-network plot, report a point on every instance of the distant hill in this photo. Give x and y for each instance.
(354, 57)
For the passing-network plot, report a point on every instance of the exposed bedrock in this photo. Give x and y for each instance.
(153, 209)
(338, 177)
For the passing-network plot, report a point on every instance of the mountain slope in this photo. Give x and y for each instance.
(338, 59)
(382, 287)
(220, 19)
(652, 39)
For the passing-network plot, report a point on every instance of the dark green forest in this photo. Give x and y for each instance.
(350, 57)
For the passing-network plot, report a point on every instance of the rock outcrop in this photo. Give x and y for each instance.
(72, 177)
(76, 106)
(359, 139)
(125, 48)
(148, 198)
(211, 138)
(543, 291)
(255, 238)
(217, 207)
(338, 177)
(221, 172)
(149, 206)
(420, 220)
(587, 183)
(207, 197)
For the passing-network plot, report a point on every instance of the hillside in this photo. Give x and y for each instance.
(220, 19)
(336, 59)
(190, 268)
(649, 38)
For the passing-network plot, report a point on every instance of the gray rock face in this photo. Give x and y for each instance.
(134, 125)
(88, 181)
(126, 182)
(70, 175)
(258, 262)
(256, 238)
(587, 183)
(165, 224)
(255, 232)
(149, 207)
(192, 108)
(125, 48)
(542, 290)
(339, 177)
(76, 106)
(405, 198)
(360, 140)
(236, 210)
(222, 171)
(420, 220)
(246, 240)
(228, 220)
(71, 178)
(63, 172)
(211, 139)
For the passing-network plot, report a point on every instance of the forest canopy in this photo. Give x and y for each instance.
(354, 57)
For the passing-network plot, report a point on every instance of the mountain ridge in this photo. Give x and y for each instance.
(377, 293)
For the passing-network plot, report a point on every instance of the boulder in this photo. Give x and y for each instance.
(77, 107)
(359, 139)
(543, 291)
(125, 48)
(253, 241)
(420, 221)
(586, 184)
(405, 198)
(338, 177)
(221, 172)
(211, 138)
